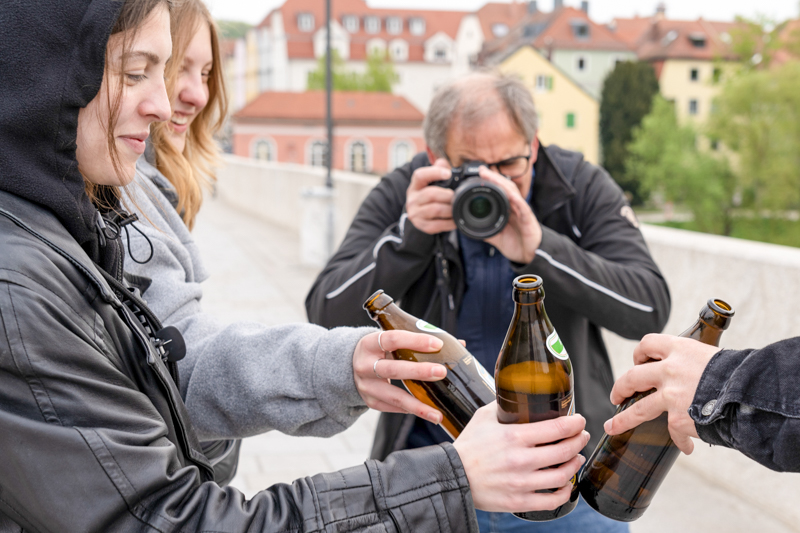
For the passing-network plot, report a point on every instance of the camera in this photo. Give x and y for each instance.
(480, 208)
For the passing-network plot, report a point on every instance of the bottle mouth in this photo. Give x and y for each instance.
(527, 282)
(385, 300)
(721, 307)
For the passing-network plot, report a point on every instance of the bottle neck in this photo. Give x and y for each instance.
(705, 332)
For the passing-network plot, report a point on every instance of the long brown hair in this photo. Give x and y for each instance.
(133, 14)
(193, 169)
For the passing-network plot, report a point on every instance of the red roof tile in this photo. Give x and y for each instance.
(348, 107)
(631, 31)
(673, 39)
(561, 35)
(500, 13)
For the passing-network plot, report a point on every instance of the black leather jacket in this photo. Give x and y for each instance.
(598, 274)
(94, 436)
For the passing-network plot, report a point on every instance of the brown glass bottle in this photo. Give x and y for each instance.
(534, 374)
(467, 386)
(624, 472)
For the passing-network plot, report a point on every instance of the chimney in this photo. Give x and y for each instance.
(533, 7)
(661, 11)
(558, 4)
(585, 7)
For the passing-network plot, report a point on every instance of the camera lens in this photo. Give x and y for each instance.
(480, 208)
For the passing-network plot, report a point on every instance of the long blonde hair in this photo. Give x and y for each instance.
(191, 171)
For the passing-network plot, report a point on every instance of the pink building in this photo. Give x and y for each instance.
(373, 132)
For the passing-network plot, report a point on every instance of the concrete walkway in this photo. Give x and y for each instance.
(256, 275)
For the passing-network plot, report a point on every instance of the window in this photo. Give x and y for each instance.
(693, 107)
(263, 150)
(544, 83)
(398, 50)
(372, 24)
(350, 23)
(394, 25)
(358, 156)
(580, 30)
(500, 29)
(416, 26)
(581, 64)
(400, 154)
(717, 75)
(694, 74)
(318, 153)
(376, 47)
(305, 22)
(697, 39)
(440, 53)
(570, 120)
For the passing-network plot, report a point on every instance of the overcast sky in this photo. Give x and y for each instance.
(253, 11)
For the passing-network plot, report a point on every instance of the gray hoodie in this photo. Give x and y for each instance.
(244, 378)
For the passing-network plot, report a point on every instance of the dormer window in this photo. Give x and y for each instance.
(499, 29)
(440, 53)
(580, 30)
(350, 23)
(416, 26)
(305, 22)
(697, 39)
(394, 25)
(372, 24)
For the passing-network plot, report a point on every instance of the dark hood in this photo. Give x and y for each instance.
(51, 64)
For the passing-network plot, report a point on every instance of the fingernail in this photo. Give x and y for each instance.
(436, 344)
(586, 435)
(583, 459)
(607, 425)
(438, 372)
(434, 417)
(445, 173)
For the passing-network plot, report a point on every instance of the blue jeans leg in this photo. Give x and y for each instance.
(583, 519)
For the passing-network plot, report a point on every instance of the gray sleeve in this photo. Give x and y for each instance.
(244, 378)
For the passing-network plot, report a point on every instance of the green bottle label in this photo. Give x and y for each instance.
(556, 347)
(428, 328)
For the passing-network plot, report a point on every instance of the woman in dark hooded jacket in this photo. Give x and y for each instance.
(93, 433)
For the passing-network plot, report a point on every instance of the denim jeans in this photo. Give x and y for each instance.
(583, 519)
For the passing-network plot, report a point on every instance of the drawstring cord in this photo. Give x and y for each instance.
(109, 230)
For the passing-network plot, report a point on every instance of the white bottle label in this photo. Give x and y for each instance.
(428, 328)
(556, 347)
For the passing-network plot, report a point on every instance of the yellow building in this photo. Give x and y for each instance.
(568, 115)
(690, 57)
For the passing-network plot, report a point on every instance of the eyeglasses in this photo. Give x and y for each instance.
(513, 167)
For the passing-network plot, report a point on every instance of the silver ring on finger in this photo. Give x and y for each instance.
(379, 342)
(375, 369)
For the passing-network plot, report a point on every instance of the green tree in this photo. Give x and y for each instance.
(756, 42)
(379, 76)
(757, 115)
(626, 98)
(666, 157)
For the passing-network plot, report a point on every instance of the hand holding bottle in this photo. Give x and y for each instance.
(506, 464)
(372, 372)
(675, 367)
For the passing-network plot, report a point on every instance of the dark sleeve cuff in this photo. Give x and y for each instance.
(711, 413)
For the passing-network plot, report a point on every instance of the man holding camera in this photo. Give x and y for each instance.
(567, 221)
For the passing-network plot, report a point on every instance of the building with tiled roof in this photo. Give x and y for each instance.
(375, 132)
(427, 47)
(690, 57)
(582, 49)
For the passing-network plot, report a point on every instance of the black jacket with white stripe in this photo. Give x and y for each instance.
(597, 270)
